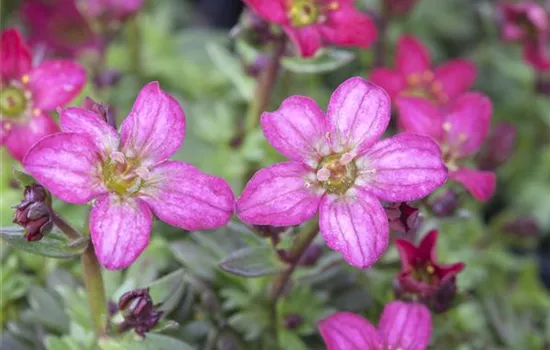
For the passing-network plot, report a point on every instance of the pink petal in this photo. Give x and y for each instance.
(419, 116)
(307, 39)
(426, 248)
(356, 226)
(185, 197)
(456, 76)
(392, 81)
(55, 83)
(406, 326)
(512, 32)
(297, 130)
(67, 164)
(15, 56)
(348, 331)
(358, 114)
(21, 137)
(270, 10)
(536, 53)
(412, 56)
(155, 128)
(349, 27)
(79, 120)
(407, 253)
(402, 168)
(120, 230)
(279, 195)
(481, 184)
(468, 122)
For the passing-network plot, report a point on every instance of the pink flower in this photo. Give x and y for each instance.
(527, 22)
(310, 24)
(415, 76)
(402, 326)
(129, 176)
(111, 9)
(338, 169)
(28, 94)
(460, 130)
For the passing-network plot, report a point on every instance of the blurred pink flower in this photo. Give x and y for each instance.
(339, 169)
(402, 326)
(399, 7)
(28, 94)
(110, 9)
(460, 129)
(311, 24)
(129, 175)
(415, 76)
(527, 23)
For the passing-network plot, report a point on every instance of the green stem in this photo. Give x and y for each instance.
(65, 227)
(93, 281)
(134, 36)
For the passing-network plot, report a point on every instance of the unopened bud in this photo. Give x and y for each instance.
(445, 204)
(34, 213)
(403, 217)
(138, 311)
(101, 110)
(108, 78)
(498, 148)
(293, 320)
(524, 226)
(311, 255)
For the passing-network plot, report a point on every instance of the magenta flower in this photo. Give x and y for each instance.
(129, 176)
(402, 326)
(460, 130)
(28, 94)
(415, 76)
(339, 169)
(527, 23)
(311, 24)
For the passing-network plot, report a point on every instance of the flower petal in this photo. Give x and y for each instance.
(407, 253)
(67, 164)
(406, 326)
(468, 122)
(307, 39)
(155, 128)
(297, 130)
(79, 120)
(279, 195)
(120, 230)
(348, 331)
(183, 196)
(402, 168)
(456, 77)
(419, 116)
(412, 56)
(392, 81)
(349, 27)
(21, 137)
(536, 53)
(55, 83)
(269, 10)
(358, 114)
(481, 184)
(426, 248)
(356, 226)
(15, 56)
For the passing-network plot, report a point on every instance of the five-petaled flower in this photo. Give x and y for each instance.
(310, 24)
(129, 175)
(403, 326)
(527, 22)
(28, 94)
(460, 129)
(339, 169)
(422, 277)
(415, 75)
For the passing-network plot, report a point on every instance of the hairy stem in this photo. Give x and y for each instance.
(65, 227)
(93, 281)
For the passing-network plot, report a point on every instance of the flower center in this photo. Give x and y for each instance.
(123, 175)
(13, 102)
(425, 86)
(451, 149)
(307, 12)
(337, 173)
(425, 273)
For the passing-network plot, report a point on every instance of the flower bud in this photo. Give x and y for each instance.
(445, 204)
(293, 320)
(403, 217)
(34, 213)
(399, 7)
(138, 311)
(524, 226)
(498, 147)
(108, 78)
(311, 255)
(100, 109)
(543, 86)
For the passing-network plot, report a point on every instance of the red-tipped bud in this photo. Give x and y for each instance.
(34, 213)
(138, 311)
(498, 148)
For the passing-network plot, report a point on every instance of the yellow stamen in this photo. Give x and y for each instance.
(25, 79)
(36, 112)
(447, 126)
(413, 79)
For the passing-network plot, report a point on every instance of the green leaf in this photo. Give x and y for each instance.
(251, 262)
(46, 310)
(53, 245)
(151, 342)
(168, 290)
(23, 178)
(165, 325)
(326, 60)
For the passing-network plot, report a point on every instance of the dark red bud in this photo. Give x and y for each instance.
(524, 226)
(311, 255)
(293, 320)
(108, 78)
(543, 86)
(138, 311)
(399, 7)
(445, 204)
(403, 217)
(498, 148)
(34, 213)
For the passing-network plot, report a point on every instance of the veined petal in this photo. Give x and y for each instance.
(481, 184)
(280, 195)
(269, 10)
(67, 164)
(21, 137)
(456, 77)
(402, 168)
(406, 326)
(393, 82)
(15, 56)
(82, 121)
(297, 130)
(55, 83)
(358, 114)
(419, 116)
(355, 225)
(307, 39)
(349, 27)
(183, 196)
(467, 123)
(412, 56)
(348, 331)
(120, 230)
(155, 128)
